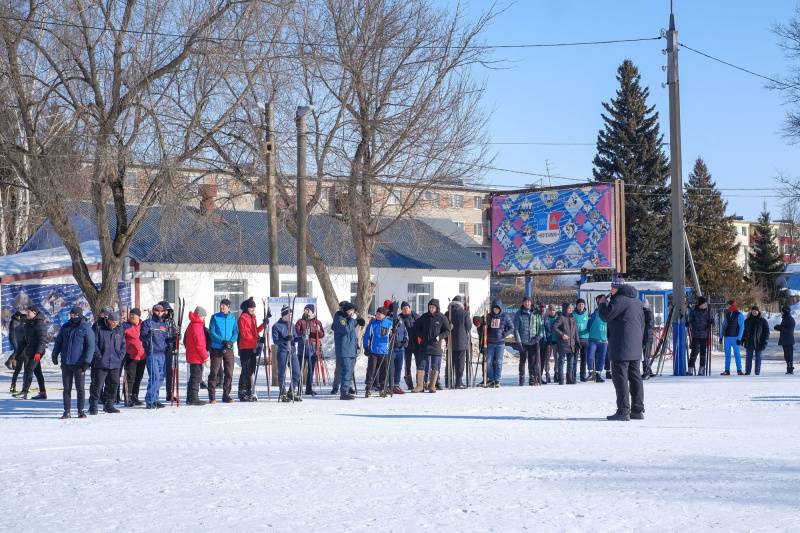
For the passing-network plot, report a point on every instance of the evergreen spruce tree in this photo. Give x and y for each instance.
(712, 239)
(766, 260)
(630, 148)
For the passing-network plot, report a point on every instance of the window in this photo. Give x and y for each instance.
(482, 255)
(463, 291)
(477, 230)
(459, 224)
(477, 203)
(354, 293)
(744, 230)
(415, 196)
(290, 288)
(656, 302)
(434, 198)
(130, 179)
(232, 289)
(418, 296)
(394, 197)
(193, 182)
(170, 291)
(457, 201)
(222, 185)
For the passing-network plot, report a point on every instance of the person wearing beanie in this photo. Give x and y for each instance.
(135, 357)
(566, 331)
(731, 337)
(173, 337)
(75, 343)
(309, 330)
(411, 349)
(224, 330)
(528, 331)
(624, 318)
(598, 346)
(754, 339)
(581, 316)
(500, 326)
(30, 351)
(109, 352)
(549, 319)
(249, 331)
(460, 337)
(786, 339)
(376, 348)
(345, 342)
(154, 335)
(431, 328)
(700, 323)
(284, 337)
(16, 331)
(196, 354)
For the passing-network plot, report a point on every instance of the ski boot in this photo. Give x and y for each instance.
(22, 395)
(398, 390)
(92, 407)
(135, 400)
(726, 373)
(13, 389)
(81, 414)
(284, 397)
(532, 381)
(619, 416)
(739, 372)
(438, 385)
(598, 379)
(701, 371)
(109, 407)
(40, 396)
(382, 393)
(367, 393)
(334, 391)
(10, 364)
(66, 415)
(521, 381)
(347, 396)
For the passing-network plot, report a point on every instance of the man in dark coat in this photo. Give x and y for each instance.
(460, 337)
(786, 327)
(431, 328)
(528, 331)
(625, 318)
(31, 349)
(700, 323)
(75, 344)
(16, 331)
(499, 327)
(567, 344)
(755, 338)
(409, 319)
(346, 346)
(109, 352)
(647, 341)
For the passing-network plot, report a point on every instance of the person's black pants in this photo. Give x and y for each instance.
(33, 367)
(134, 371)
(247, 358)
(104, 376)
(168, 366)
(788, 355)
(629, 386)
(193, 388)
(376, 369)
(698, 346)
(70, 373)
(529, 354)
(20, 359)
(460, 361)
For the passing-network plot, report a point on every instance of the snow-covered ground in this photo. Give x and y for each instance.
(718, 453)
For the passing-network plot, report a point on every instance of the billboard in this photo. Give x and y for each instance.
(559, 229)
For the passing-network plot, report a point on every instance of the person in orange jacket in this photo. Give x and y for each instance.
(196, 353)
(248, 342)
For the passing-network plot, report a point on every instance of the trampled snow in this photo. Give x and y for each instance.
(714, 453)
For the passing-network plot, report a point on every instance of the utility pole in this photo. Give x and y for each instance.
(302, 217)
(676, 173)
(268, 149)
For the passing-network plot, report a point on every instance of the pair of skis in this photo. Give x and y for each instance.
(176, 397)
(263, 340)
(484, 343)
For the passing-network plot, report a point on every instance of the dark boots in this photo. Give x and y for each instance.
(92, 407)
(109, 407)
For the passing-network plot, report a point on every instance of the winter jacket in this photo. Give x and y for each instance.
(172, 328)
(565, 325)
(109, 344)
(528, 327)
(732, 325)
(500, 324)
(133, 342)
(582, 321)
(479, 322)
(548, 323)
(248, 331)
(786, 327)
(699, 322)
(625, 319)
(157, 344)
(649, 324)
(461, 325)
(196, 347)
(408, 321)
(756, 332)
(431, 328)
(283, 336)
(34, 338)
(400, 334)
(344, 335)
(376, 336)
(598, 330)
(223, 327)
(16, 330)
(314, 326)
(75, 342)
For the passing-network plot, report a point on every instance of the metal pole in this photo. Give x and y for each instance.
(302, 218)
(272, 208)
(691, 263)
(678, 256)
(527, 285)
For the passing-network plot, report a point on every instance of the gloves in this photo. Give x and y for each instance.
(150, 333)
(37, 356)
(367, 352)
(55, 360)
(85, 366)
(738, 342)
(536, 339)
(269, 313)
(361, 322)
(228, 344)
(262, 340)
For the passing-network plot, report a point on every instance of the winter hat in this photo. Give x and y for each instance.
(285, 310)
(33, 308)
(598, 298)
(247, 304)
(382, 311)
(387, 304)
(404, 304)
(785, 310)
(77, 311)
(136, 311)
(113, 316)
(701, 300)
(526, 299)
(617, 283)
(552, 307)
(200, 312)
(346, 306)
(580, 301)
(158, 306)
(106, 310)
(310, 307)
(542, 305)
(457, 298)
(225, 301)
(755, 308)
(732, 306)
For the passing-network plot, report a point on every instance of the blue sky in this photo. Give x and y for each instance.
(554, 95)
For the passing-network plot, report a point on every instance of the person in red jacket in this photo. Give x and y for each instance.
(248, 342)
(134, 360)
(196, 354)
(309, 325)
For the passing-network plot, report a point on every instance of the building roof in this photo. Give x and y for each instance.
(179, 234)
(47, 259)
(449, 228)
(605, 286)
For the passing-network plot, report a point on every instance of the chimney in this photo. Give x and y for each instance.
(207, 195)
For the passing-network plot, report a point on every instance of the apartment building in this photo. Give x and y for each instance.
(786, 236)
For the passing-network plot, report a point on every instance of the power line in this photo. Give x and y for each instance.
(782, 84)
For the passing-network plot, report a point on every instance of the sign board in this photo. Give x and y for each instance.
(276, 304)
(556, 230)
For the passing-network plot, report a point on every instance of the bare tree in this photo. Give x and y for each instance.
(789, 85)
(98, 85)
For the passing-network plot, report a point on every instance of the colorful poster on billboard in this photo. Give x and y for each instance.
(564, 229)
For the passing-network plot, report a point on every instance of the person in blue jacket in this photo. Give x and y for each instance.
(154, 336)
(500, 327)
(598, 345)
(224, 330)
(108, 355)
(401, 341)
(284, 337)
(731, 337)
(75, 344)
(376, 348)
(346, 345)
